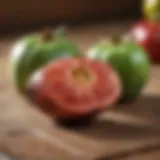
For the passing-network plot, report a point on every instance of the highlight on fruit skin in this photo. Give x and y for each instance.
(146, 35)
(74, 87)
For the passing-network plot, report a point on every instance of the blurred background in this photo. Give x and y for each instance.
(28, 133)
(23, 14)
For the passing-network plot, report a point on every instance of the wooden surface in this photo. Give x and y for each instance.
(29, 134)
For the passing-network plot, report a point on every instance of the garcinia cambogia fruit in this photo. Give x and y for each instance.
(146, 35)
(34, 51)
(71, 88)
(130, 62)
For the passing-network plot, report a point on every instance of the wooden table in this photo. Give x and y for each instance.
(28, 134)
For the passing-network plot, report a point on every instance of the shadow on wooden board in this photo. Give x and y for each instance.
(146, 109)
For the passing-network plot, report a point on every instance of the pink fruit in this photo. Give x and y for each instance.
(75, 87)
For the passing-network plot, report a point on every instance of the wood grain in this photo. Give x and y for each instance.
(35, 135)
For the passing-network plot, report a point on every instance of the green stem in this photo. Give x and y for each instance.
(116, 39)
(60, 32)
(47, 35)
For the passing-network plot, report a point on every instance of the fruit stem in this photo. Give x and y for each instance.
(60, 32)
(47, 35)
(116, 39)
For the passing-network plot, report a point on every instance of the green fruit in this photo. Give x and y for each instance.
(36, 50)
(129, 60)
(151, 9)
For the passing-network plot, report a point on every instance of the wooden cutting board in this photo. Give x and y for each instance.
(27, 133)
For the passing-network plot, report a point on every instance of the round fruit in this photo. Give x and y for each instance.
(129, 60)
(151, 9)
(36, 50)
(147, 35)
(74, 87)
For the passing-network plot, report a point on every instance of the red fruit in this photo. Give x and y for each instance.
(69, 88)
(147, 35)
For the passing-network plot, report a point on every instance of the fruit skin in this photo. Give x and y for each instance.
(129, 60)
(151, 9)
(146, 34)
(55, 92)
(31, 53)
